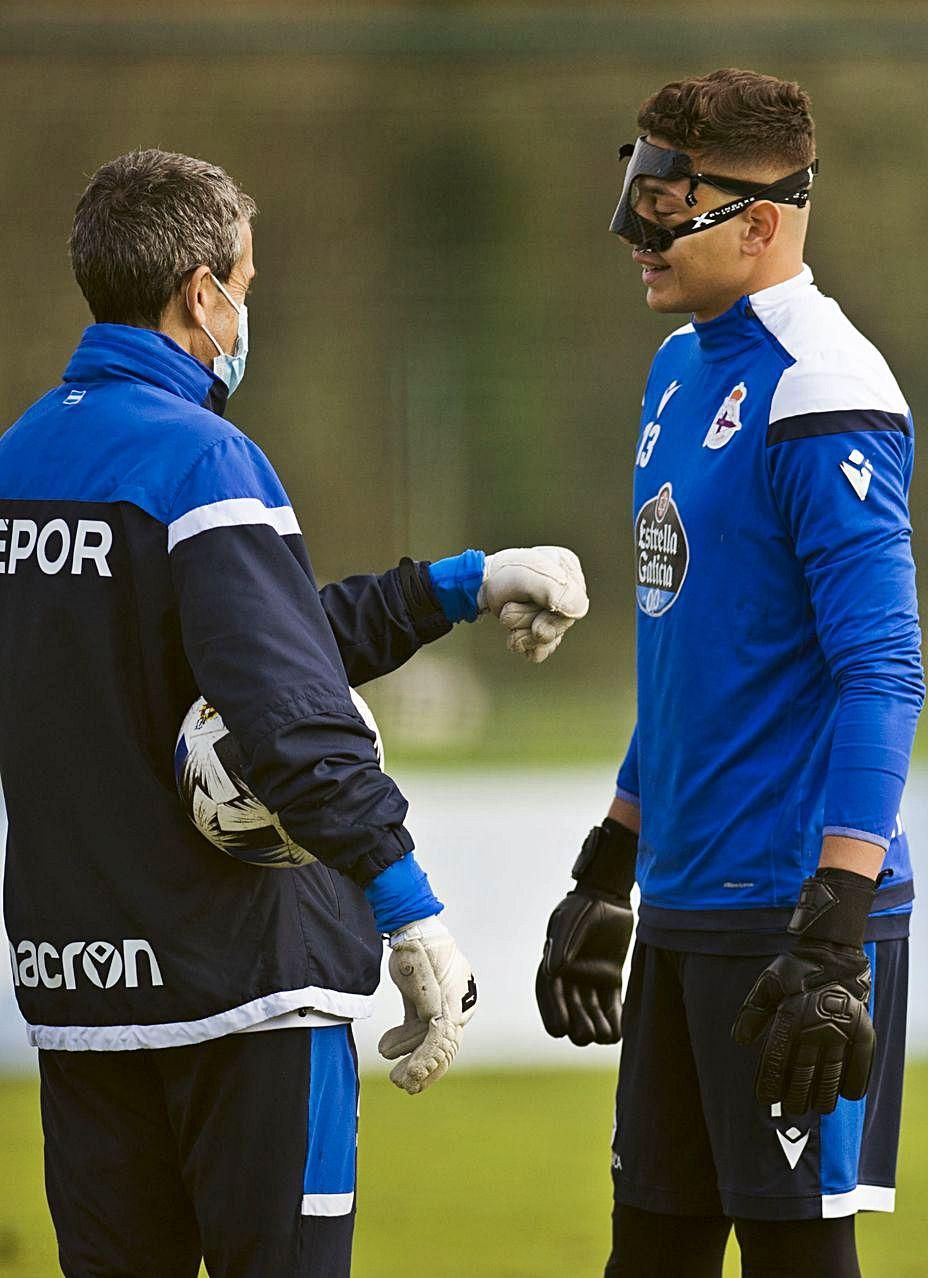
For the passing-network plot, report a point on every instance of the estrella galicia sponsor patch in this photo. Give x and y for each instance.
(662, 551)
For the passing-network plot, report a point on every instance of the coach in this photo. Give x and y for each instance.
(149, 553)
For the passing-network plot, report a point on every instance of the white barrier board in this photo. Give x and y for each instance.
(498, 848)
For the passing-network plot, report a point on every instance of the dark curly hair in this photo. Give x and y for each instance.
(740, 117)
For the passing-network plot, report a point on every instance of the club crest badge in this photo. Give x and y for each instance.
(727, 420)
(662, 553)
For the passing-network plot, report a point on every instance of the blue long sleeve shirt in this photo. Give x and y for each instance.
(779, 670)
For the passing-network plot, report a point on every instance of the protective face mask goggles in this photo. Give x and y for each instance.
(664, 165)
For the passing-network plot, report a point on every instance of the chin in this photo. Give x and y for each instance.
(667, 303)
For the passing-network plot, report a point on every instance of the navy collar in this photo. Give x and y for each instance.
(143, 355)
(720, 337)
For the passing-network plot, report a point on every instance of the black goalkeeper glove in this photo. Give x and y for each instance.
(579, 981)
(812, 1001)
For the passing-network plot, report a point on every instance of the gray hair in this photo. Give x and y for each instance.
(145, 220)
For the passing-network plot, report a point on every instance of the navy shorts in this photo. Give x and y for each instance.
(241, 1150)
(691, 1139)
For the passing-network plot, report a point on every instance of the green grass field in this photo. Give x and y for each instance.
(491, 1175)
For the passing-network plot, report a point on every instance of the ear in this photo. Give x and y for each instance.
(195, 296)
(761, 226)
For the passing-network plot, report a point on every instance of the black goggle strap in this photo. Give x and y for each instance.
(735, 185)
(738, 186)
(793, 189)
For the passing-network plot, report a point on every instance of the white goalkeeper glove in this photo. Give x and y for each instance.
(537, 593)
(439, 996)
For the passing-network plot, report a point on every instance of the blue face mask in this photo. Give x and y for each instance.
(231, 368)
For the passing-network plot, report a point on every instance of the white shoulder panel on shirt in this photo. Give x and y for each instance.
(837, 368)
(677, 332)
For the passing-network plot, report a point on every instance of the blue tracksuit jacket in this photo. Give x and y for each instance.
(148, 553)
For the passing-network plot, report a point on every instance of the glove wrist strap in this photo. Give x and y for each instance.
(420, 930)
(607, 860)
(833, 906)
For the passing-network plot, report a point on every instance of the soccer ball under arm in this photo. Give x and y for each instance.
(209, 772)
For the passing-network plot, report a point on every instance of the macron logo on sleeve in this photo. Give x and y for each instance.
(858, 472)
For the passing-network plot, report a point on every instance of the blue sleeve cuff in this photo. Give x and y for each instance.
(456, 582)
(628, 796)
(401, 894)
(849, 832)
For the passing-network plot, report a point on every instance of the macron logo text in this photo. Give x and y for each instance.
(102, 964)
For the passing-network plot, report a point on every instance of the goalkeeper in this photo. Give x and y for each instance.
(192, 1011)
(779, 682)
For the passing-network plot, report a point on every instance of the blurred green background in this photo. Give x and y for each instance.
(448, 349)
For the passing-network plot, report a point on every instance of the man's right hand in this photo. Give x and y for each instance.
(579, 981)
